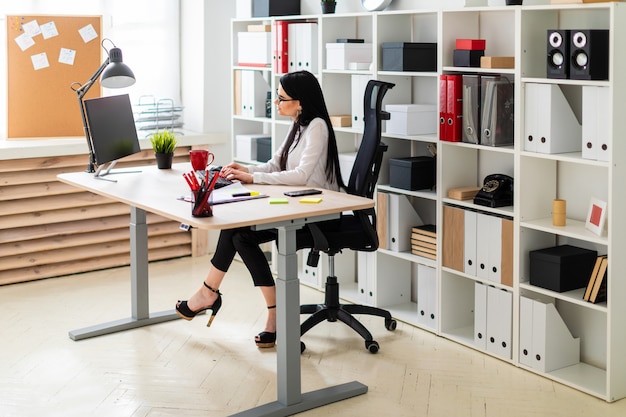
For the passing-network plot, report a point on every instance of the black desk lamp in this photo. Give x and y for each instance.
(115, 74)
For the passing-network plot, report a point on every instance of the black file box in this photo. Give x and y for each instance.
(413, 173)
(467, 58)
(265, 8)
(409, 56)
(561, 268)
(263, 149)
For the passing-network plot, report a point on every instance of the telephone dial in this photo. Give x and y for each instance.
(497, 191)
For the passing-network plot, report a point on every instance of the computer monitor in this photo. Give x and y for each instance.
(112, 130)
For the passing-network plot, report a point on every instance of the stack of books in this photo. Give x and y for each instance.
(596, 288)
(424, 241)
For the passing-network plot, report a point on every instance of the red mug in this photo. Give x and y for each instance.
(200, 158)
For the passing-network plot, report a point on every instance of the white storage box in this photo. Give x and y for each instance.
(246, 146)
(339, 56)
(412, 119)
(254, 49)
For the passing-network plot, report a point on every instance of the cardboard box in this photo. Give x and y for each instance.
(561, 268)
(412, 173)
(339, 56)
(463, 193)
(497, 62)
(254, 49)
(259, 28)
(409, 56)
(342, 120)
(412, 119)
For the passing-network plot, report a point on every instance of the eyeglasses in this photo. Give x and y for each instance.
(281, 98)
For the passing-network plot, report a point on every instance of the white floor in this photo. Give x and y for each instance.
(183, 368)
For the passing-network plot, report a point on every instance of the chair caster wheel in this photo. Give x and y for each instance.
(391, 324)
(372, 346)
(302, 347)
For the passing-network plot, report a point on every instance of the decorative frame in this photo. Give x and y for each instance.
(596, 216)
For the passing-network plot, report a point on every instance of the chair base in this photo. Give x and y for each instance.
(332, 310)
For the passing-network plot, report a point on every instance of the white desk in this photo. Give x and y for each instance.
(157, 191)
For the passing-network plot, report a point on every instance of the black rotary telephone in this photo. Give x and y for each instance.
(497, 191)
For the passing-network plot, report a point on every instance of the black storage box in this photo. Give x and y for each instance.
(414, 173)
(467, 58)
(561, 268)
(263, 149)
(407, 56)
(265, 8)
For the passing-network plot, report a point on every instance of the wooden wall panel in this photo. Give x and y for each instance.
(50, 229)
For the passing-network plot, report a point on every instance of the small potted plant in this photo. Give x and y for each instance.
(163, 143)
(328, 6)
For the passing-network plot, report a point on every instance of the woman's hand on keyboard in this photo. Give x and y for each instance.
(235, 171)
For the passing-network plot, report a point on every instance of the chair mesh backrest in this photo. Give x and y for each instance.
(367, 163)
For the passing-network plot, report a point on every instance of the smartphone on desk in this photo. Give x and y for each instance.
(300, 193)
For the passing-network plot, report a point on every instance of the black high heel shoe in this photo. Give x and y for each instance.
(266, 339)
(186, 313)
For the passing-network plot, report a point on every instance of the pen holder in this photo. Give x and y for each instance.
(200, 206)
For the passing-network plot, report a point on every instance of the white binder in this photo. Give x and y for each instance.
(550, 121)
(309, 274)
(596, 121)
(469, 243)
(494, 243)
(402, 217)
(499, 322)
(526, 331)
(483, 246)
(306, 51)
(480, 315)
(366, 277)
(254, 90)
(427, 297)
(292, 47)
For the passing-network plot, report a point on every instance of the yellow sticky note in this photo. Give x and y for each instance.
(311, 200)
(279, 200)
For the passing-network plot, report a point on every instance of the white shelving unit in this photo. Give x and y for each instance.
(391, 279)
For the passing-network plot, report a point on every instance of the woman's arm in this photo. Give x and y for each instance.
(306, 162)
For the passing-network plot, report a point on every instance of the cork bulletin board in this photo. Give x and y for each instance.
(45, 55)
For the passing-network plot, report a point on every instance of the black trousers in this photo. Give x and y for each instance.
(246, 242)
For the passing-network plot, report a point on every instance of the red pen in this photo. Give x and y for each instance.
(213, 181)
(188, 182)
(194, 179)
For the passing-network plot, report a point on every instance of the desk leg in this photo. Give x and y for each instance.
(290, 399)
(138, 286)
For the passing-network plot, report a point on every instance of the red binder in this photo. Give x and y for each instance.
(443, 107)
(281, 39)
(454, 108)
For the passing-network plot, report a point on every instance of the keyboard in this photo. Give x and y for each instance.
(221, 181)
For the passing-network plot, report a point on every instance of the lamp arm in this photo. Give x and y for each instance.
(80, 93)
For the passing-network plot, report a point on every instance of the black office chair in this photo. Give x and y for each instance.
(356, 231)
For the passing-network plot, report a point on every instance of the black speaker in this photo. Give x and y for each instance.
(589, 59)
(558, 53)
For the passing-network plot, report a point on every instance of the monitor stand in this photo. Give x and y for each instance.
(101, 172)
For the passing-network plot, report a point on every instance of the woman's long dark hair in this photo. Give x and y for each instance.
(303, 86)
